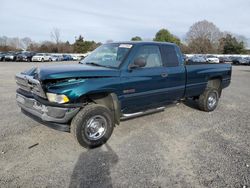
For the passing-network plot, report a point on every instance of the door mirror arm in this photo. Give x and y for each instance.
(133, 66)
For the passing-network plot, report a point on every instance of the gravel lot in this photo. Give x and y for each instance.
(180, 147)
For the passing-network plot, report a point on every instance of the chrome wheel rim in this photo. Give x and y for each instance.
(212, 100)
(96, 127)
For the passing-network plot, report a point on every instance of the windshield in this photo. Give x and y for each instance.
(108, 55)
(210, 56)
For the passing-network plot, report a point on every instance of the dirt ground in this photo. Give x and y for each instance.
(180, 147)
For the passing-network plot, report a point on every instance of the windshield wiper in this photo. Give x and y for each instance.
(94, 64)
(98, 65)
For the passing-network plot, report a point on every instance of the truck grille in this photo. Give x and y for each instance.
(29, 84)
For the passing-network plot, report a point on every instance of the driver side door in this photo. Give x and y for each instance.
(143, 87)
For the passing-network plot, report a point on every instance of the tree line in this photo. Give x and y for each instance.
(203, 37)
(80, 45)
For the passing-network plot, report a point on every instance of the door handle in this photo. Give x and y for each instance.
(164, 75)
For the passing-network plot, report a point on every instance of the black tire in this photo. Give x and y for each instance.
(80, 122)
(205, 102)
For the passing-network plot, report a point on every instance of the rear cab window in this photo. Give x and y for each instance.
(169, 56)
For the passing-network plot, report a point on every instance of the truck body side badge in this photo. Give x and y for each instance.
(128, 91)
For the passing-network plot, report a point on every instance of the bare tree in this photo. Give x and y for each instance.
(3, 41)
(201, 46)
(55, 35)
(204, 29)
(206, 32)
(14, 42)
(25, 42)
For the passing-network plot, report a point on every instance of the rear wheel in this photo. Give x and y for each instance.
(208, 101)
(92, 126)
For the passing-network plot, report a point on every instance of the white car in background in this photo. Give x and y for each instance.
(212, 59)
(42, 57)
(75, 57)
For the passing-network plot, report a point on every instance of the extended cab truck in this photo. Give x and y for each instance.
(116, 80)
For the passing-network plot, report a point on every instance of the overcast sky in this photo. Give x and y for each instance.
(101, 20)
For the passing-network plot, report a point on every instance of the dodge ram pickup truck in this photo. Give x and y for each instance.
(117, 80)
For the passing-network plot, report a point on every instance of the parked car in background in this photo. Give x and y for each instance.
(2, 56)
(25, 56)
(225, 59)
(67, 58)
(247, 60)
(81, 57)
(212, 59)
(185, 57)
(196, 59)
(240, 61)
(11, 56)
(75, 57)
(57, 57)
(235, 60)
(42, 57)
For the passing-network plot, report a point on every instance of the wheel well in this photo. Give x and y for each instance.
(215, 83)
(110, 100)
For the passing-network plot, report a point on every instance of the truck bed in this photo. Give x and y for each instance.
(198, 74)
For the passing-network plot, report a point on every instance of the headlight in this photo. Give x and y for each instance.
(52, 97)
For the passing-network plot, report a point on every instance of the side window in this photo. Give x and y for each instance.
(170, 56)
(151, 54)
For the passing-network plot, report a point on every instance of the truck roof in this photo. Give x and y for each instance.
(142, 42)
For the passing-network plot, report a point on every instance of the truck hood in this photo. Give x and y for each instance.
(74, 71)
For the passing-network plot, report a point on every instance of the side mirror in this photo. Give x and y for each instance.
(138, 63)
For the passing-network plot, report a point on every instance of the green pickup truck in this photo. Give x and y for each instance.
(117, 80)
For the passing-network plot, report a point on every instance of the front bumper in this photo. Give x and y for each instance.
(36, 59)
(54, 117)
(21, 59)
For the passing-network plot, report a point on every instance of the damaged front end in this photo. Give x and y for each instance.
(54, 94)
(33, 101)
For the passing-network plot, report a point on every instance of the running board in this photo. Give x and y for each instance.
(137, 114)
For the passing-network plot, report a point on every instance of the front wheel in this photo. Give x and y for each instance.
(208, 101)
(92, 126)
